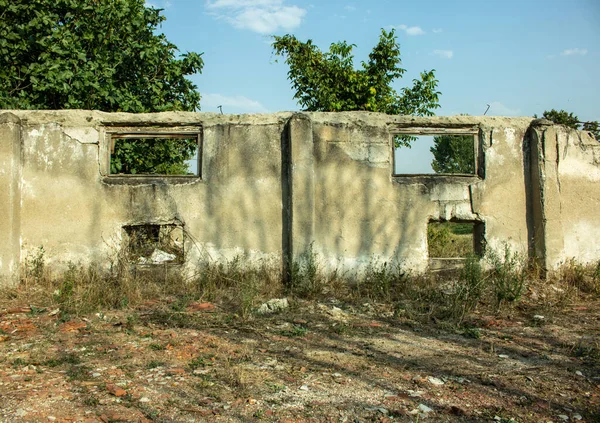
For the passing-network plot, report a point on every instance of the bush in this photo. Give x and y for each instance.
(507, 275)
(307, 282)
(584, 278)
(468, 288)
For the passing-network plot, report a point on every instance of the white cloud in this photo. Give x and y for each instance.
(575, 52)
(445, 54)
(410, 30)
(437, 30)
(165, 4)
(262, 16)
(350, 8)
(238, 103)
(499, 109)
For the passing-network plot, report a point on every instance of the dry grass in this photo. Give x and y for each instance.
(241, 287)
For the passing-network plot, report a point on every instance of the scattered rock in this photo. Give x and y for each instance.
(304, 388)
(577, 417)
(273, 306)
(435, 381)
(538, 317)
(578, 373)
(334, 312)
(414, 394)
(160, 256)
(424, 409)
(563, 417)
(503, 356)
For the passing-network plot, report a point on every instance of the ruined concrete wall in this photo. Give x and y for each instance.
(566, 193)
(77, 213)
(358, 212)
(10, 198)
(275, 186)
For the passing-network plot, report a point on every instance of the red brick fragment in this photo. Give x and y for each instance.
(205, 307)
(72, 326)
(115, 390)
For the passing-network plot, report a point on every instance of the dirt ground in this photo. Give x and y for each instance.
(313, 362)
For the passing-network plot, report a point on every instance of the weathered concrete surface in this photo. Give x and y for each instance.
(362, 213)
(77, 213)
(274, 186)
(566, 180)
(10, 198)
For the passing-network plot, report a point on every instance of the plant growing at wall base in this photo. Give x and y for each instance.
(35, 265)
(468, 289)
(508, 275)
(305, 278)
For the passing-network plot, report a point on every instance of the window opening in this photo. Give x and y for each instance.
(435, 154)
(453, 240)
(164, 154)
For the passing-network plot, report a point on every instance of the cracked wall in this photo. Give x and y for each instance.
(274, 186)
(565, 193)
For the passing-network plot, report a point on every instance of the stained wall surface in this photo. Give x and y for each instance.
(274, 186)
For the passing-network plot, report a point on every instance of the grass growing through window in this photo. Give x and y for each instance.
(450, 239)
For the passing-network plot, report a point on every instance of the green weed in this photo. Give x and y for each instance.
(507, 275)
(307, 282)
(157, 347)
(467, 289)
(294, 332)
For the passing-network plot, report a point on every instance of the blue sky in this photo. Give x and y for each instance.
(520, 57)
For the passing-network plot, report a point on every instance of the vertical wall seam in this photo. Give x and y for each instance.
(287, 217)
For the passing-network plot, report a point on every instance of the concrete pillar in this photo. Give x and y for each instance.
(544, 205)
(298, 190)
(10, 199)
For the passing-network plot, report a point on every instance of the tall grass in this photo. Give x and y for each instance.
(497, 281)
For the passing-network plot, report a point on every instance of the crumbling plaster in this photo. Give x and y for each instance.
(274, 186)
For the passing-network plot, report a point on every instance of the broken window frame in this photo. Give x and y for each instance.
(112, 134)
(473, 131)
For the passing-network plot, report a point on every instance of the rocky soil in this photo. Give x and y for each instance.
(312, 362)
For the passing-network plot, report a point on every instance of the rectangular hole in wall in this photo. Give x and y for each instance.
(155, 244)
(164, 154)
(450, 239)
(435, 154)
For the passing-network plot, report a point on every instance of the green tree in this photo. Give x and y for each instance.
(562, 117)
(453, 154)
(91, 54)
(329, 82)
